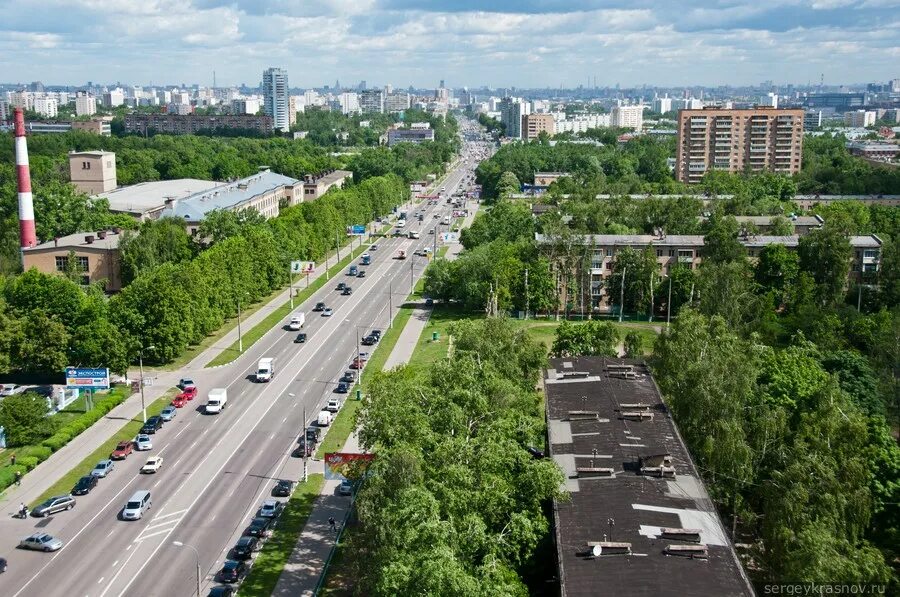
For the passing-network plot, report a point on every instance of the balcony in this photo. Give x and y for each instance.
(697, 167)
(685, 259)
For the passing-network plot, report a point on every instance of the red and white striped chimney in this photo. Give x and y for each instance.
(27, 236)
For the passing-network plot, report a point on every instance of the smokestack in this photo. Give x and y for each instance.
(27, 237)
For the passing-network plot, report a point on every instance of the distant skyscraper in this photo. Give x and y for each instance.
(275, 94)
(512, 109)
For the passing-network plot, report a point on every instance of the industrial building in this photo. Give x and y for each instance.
(638, 520)
(96, 254)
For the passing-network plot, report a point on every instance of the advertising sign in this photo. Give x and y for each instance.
(303, 267)
(87, 379)
(356, 230)
(449, 237)
(346, 465)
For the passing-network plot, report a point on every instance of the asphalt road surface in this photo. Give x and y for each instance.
(218, 469)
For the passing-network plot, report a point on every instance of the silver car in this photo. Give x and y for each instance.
(103, 468)
(143, 442)
(54, 505)
(168, 413)
(41, 542)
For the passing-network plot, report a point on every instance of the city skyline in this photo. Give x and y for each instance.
(529, 44)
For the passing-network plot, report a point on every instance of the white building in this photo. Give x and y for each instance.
(85, 104)
(164, 97)
(46, 106)
(860, 118)
(582, 122)
(275, 97)
(630, 117)
(22, 99)
(113, 98)
(248, 105)
(662, 104)
(5, 110)
(349, 102)
(770, 100)
(181, 97)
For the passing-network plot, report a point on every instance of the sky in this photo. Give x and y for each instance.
(523, 43)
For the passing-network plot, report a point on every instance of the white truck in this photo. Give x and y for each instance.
(297, 322)
(324, 419)
(216, 400)
(265, 370)
(413, 234)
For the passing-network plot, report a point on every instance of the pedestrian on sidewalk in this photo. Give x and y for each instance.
(18, 478)
(12, 460)
(332, 523)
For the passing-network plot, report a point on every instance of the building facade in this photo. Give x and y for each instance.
(314, 186)
(85, 104)
(396, 102)
(860, 118)
(535, 124)
(96, 254)
(275, 94)
(395, 136)
(188, 124)
(761, 139)
(92, 172)
(628, 117)
(512, 110)
(371, 100)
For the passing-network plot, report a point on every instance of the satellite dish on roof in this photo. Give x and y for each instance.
(596, 551)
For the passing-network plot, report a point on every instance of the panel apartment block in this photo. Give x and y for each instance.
(761, 139)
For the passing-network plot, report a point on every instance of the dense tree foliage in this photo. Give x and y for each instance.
(326, 128)
(24, 417)
(829, 168)
(453, 503)
(593, 338)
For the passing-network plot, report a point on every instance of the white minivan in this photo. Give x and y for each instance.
(136, 506)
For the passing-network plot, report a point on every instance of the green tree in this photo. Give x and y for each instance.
(634, 345)
(825, 254)
(24, 418)
(641, 278)
(41, 344)
(721, 244)
(776, 269)
(508, 185)
(589, 338)
(160, 241)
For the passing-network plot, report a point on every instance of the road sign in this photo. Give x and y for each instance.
(87, 379)
(303, 267)
(356, 230)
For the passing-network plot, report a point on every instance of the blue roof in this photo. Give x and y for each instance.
(228, 195)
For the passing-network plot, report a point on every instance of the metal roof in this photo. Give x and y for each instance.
(227, 196)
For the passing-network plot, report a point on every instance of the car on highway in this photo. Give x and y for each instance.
(168, 413)
(347, 291)
(152, 465)
(342, 388)
(328, 312)
(376, 333)
(345, 488)
(123, 449)
(222, 591)
(103, 468)
(284, 488)
(232, 571)
(319, 307)
(296, 322)
(259, 527)
(152, 425)
(341, 285)
(373, 248)
(53, 505)
(2, 565)
(301, 338)
(369, 340)
(431, 231)
(353, 270)
(361, 274)
(143, 442)
(41, 542)
(244, 548)
(349, 376)
(189, 392)
(186, 382)
(271, 509)
(84, 485)
(333, 405)
(178, 401)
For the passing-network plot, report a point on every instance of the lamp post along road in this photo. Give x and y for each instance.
(240, 335)
(141, 365)
(197, 554)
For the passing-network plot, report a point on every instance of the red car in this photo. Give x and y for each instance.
(179, 401)
(189, 393)
(123, 449)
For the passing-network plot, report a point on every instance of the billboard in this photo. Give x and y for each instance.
(449, 237)
(356, 230)
(346, 465)
(303, 267)
(87, 379)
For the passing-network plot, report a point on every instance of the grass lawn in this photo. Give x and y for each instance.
(275, 553)
(278, 315)
(65, 483)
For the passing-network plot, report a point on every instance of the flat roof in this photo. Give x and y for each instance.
(96, 153)
(78, 241)
(332, 177)
(628, 506)
(227, 196)
(149, 196)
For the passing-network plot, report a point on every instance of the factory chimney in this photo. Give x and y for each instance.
(27, 237)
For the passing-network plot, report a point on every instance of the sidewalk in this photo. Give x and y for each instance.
(39, 479)
(304, 567)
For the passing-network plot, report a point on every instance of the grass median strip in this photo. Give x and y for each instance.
(128, 431)
(277, 550)
(278, 315)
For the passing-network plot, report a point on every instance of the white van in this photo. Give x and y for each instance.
(265, 369)
(216, 400)
(136, 506)
(324, 419)
(297, 322)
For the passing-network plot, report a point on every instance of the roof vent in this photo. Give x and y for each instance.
(594, 471)
(584, 415)
(609, 548)
(637, 415)
(101, 234)
(690, 535)
(89, 239)
(688, 551)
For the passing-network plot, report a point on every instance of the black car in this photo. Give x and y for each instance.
(283, 488)
(152, 425)
(221, 591)
(301, 338)
(361, 274)
(341, 285)
(313, 433)
(349, 376)
(369, 340)
(233, 571)
(342, 387)
(304, 449)
(376, 333)
(347, 291)
(259, 526)
(2, 565)
(319, 307)
(85, 485)
(244, 548)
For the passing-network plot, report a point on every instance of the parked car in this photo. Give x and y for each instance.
(41, 542)
(304, 449)
(168, 413)
(233, 571)
(123, 449)
(369, 340)
(271, 509)
(376, 333)
(103, 468)
(345, 488)
(152, 465)
(259, 527)
(8, 389)
(221, 591)
(152, 425)
(342, 388)
(333, 405)
(53, 505)
(2, 565)
(178, 401)
(319, 307)
(313, 433)
(301, 338)
(349, 377)
(244, 548)
(143, 442)
(84, 485)
(284, 488)
(328, 312)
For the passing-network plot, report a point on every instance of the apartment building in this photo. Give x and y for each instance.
(860, 118)
(535, 124)
(512, 110)
(628, 117)
(188, 124)
(275, 94)
(85, 104)
(96, 254)
(371, 100)
(760, 139)
(396, 102)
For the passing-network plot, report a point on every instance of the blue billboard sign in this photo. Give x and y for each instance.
(87, 379)
(356, 230)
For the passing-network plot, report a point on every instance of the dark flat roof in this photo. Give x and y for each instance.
(640, 505)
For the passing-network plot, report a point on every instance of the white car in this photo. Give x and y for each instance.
(143, 442)
(295, 324)
(152, 465)
(333, 405)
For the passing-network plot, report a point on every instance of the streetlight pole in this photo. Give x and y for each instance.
(390, 307)
(197, 554)
(669, 304)
(291, 278)
(622, 295)
(141, 365)
(240, 334)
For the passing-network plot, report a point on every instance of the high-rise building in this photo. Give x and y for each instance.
(769, 100)
(628, 117)
(662, 104)
(812, 120)
(761, 139)
(46, 106)
(857, 118)
(349, 102)
(396, 102)
(113, 98)
(275, 97)
(371, 100)
(5, 111)
(85, 104)
(512, 109)
(535, 124)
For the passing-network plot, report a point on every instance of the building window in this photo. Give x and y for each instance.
(62, 264)
(870, 254)
(85, 165)
(659, 253)
(82, 264)
(671, 252)
(85, 280)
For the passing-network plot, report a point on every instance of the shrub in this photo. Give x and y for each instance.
(56, 441)
(29, 462)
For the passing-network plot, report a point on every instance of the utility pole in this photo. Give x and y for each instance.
(291, 279)
(390, 307)
(622, 295)
(669, 304)
(240, 335)
(650, 317)
(526, 293)
(305, 449)
(859, 299)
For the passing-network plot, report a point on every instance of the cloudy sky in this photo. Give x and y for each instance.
(526, 43)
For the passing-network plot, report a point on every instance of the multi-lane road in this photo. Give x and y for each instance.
(218, 468)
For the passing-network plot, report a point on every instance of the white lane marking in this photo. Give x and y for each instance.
(163, 449)
(99, 582)
(161, 516)
(116, 563)
(143, 538)
(284, 419)
(111, 532)
(157, 526)
(183, 429)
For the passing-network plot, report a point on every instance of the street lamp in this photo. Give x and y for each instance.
(196, 553)
(141, 364)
